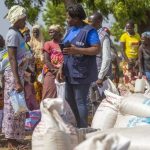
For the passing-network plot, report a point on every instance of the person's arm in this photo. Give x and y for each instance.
(48, 63)
(122, 44)
(12, 51)
(140, 60)
(73, 50)
(106, 59)
(93, 46)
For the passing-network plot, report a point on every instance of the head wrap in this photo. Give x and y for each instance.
(37, 43)
(146, 34)
(55, 27)
(36, 27)
(15, 13)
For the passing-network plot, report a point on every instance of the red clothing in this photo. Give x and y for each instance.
(55, 54)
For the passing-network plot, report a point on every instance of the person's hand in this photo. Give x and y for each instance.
(71, 50)
(19, 87)
(140, 75)
(99, 82)
(54, 71)
(59, 75)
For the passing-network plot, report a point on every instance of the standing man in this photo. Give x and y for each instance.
(103, 58)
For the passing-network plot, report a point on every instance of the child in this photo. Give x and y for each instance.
(144, 56)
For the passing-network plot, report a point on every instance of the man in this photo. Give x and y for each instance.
(103, 58)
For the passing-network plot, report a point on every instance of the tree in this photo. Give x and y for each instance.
(54, 14)
(123, 10)
(33, 7)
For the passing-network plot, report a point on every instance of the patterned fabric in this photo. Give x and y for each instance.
(13, 126)
(55, 54)
(130, 70)
(38, 85)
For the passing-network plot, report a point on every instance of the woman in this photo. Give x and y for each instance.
(36, 44)
(13, 126)
(81, 46)
(29, 76)
(130, 42)
(53, 59)
(144, 56)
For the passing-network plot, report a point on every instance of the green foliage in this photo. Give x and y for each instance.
(45, 34)
(54, 14)
(123, 10)
(33, 7)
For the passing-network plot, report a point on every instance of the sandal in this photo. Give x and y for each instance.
(11, 147)
(24, 147)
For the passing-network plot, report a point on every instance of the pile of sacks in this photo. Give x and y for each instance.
(125, 118)
(122, 123)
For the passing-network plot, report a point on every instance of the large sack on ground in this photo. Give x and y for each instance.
(106, 114)
(136, 104)
(129, 121)
(67, 115)
(138, 136)
(105, 142)
(52, 133)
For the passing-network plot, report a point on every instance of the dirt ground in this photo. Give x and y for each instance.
(3, 141)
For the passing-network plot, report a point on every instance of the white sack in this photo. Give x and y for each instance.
(105, 142)
(67, 113)
(138, 136)
(106, 114)
(135, 104)
(52, 133)
(129, 121)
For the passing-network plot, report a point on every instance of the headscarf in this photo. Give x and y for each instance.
(15, 13)
(36, 44)
(146, 34)
(55, 27)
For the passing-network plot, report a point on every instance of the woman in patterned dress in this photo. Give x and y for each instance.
(13, 126)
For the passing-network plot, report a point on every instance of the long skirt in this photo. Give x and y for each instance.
(49, 87)
(13, 126)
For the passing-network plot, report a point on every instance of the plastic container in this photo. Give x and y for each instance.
(139, 86)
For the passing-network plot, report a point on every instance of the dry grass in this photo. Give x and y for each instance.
(3, 141)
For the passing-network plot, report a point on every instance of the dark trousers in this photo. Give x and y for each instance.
(76, 96)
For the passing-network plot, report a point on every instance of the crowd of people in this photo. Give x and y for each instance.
(83, 57)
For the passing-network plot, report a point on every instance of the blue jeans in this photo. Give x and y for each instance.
(148, 76)
(76, 96)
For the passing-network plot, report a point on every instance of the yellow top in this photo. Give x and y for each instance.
(131, 44)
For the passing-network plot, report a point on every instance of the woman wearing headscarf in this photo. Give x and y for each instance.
(36, 43)
(53, 59)
(144, 56)
(13, 126)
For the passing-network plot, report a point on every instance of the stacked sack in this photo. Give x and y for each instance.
(52, 133)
